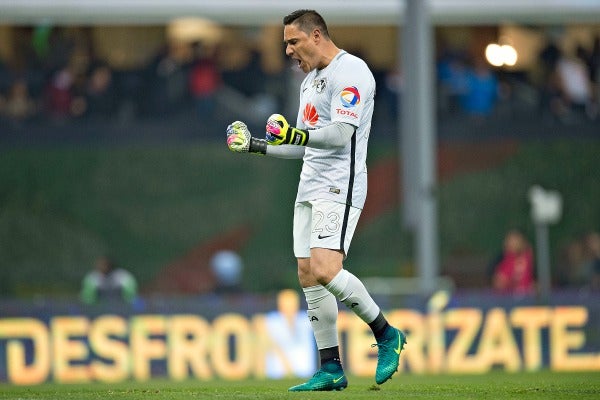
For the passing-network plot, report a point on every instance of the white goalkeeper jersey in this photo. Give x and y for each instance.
(343, 91)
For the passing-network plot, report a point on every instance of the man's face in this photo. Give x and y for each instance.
(514, 243)
(301, 47)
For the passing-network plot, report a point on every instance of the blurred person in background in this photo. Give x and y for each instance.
(59, 95)
(100, 92)
(63, 100)
(168, 80)
(227, 267)
(572, 266)
(291, 350)
(513, 271)
(19, 106)
(580, 262)
(452, 81)
(574, 88)
(592, 251)
(107, 282)
(205, 81)
(480, 92)
(334, 123)
(594, 65)
(548, 58)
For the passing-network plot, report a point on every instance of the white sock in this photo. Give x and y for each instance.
(322, 314)
(351, 291)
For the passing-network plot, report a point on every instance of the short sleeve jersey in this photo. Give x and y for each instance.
(343, 91)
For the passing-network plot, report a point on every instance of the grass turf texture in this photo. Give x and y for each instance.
(496, 385)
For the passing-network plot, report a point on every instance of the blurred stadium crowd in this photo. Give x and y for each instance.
(57, 75)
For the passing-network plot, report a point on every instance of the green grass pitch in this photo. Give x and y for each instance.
(496, 385)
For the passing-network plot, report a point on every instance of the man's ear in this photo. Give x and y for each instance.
(316, 34)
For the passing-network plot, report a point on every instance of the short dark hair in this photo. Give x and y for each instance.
(307, 20)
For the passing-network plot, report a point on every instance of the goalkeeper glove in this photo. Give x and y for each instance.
(280, 132)
(240, 140)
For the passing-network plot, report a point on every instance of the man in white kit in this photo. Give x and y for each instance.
(331, 136)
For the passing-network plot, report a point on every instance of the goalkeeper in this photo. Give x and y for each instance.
(331, 136)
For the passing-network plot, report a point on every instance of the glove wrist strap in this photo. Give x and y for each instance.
(257, 146)
(298, 137)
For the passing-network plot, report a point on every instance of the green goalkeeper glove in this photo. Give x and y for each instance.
(279, 132)
(240, 140)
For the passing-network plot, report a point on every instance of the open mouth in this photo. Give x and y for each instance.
(297, 63)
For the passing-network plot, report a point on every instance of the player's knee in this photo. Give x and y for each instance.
(305, 276)
(324, 273)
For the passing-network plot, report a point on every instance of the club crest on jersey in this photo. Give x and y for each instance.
(320, 84)
(310, 115)
(350, 96)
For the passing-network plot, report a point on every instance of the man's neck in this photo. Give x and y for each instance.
(330, 53)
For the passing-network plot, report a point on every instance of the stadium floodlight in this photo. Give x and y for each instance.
(500, 55)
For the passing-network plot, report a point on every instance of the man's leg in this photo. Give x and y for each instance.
(327, 253)
(322, 310)
(322, 314)
(390, 341)
(326, 266)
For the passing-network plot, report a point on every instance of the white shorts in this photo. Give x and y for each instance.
(323, 224)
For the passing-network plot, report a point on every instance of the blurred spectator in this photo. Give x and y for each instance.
(250, 91)
(5, 83)
(548, 58)
(291, 350)
(62, 100)
(249, 79)
(594, 65)
(100, 92)
(57, 49)
(227, 267)
(452, 76)
(572, 271)
(592, 253)
(108, 282)
(574, 88)
(59, 96)
(205, 81)
(19, 106)
(391, 84)
(580, 264)
(513, 270)
(481, 90)
(169, 79)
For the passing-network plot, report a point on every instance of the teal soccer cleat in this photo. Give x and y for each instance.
(388, 354)
(329, 378)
